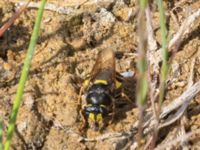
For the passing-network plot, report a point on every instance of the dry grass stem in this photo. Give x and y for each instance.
(191, 76)
(65, 10)
(177, 140)
(175, 42)
(50, 7)
(175, 116)
(182, 132)
(187, 96)
(152, 44)
(184, 143)
(184, 29)
(13, 18)
(182, 102)
(174, 18)
(182, 109)
(108, 136)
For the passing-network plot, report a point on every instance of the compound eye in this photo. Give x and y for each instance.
(103, 110)
(87, 113)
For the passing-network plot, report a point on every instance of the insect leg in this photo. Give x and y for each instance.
(113, 111)
(84, 121)
(83, 87)
(79, 97)
(124, 95)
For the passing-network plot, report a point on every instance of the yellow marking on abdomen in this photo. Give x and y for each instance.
(101, 82)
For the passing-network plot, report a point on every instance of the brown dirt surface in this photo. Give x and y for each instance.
(66, 51)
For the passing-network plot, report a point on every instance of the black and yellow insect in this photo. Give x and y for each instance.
(100, 90)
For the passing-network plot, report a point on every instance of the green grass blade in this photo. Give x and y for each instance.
(142, 85)
(163, 30)
(165, 55)
(142, 82)
(143, 4)
(1, 134)
(24, 76)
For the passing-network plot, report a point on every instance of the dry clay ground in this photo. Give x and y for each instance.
(65, 53)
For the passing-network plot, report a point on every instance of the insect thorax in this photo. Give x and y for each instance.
(99, 94)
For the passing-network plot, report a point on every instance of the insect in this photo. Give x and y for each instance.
(101, 90)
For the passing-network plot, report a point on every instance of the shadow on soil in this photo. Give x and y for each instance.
(123, 105)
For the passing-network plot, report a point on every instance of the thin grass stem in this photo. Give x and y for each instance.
(164, 68)
(165, 55)
(24, 76)
(142, 81)
(143, 4)
(1, 134)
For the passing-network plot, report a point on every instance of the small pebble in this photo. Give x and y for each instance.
(7, 66)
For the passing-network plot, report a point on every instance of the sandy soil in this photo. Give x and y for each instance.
(65, 53)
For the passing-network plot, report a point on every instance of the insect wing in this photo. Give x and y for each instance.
(105, 61)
